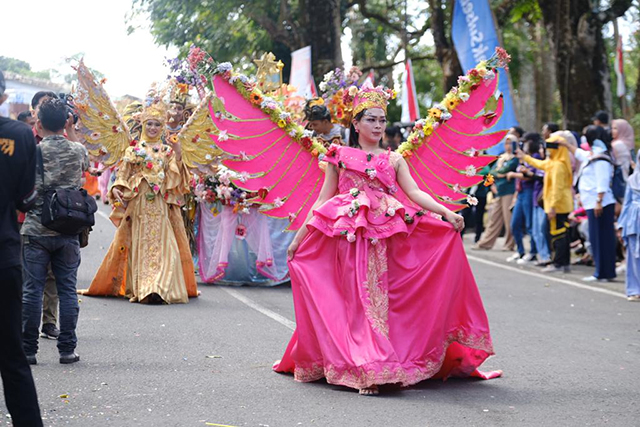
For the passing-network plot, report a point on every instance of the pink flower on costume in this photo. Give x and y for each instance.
(351, 237)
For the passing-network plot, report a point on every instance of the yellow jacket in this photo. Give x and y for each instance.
(558, 178)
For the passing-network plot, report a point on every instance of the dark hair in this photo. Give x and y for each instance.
(593, 132)
(24, 116)
(39, 95)
(393, 131)
(316, 112)
(53, 115)
(353, 135)
(602, 116)
(534, 141)
(553, 127)
(518, 130)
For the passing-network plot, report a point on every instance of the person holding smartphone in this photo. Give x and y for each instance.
(558, 200)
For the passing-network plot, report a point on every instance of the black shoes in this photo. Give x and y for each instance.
(69, 358)
(50, 331)
(31, 358)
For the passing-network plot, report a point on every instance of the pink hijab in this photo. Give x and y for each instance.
(625, 133)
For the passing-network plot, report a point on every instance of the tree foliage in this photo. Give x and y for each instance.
(22, 68)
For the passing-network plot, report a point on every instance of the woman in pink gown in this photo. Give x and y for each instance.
(382, 288)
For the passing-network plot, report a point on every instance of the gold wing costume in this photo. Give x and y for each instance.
(149, 259)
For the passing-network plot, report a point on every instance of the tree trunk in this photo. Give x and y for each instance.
(323, 30)
(581, 59)
(445, 52)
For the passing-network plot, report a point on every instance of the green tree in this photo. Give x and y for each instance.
(22, 68)
(237, 30)
(575, 28)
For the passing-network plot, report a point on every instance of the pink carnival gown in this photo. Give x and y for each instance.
(382, 292)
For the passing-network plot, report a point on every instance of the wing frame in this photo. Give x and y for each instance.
(455, 164)
(105, 133)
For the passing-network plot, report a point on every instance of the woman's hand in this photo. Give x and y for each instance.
(291, 250)
(118, 194)
(454, 219)
(597, 211)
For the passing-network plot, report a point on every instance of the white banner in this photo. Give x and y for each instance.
(300, 76)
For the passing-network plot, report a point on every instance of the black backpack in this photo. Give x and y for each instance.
(67, 211)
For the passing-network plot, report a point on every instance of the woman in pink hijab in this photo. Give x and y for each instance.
(622, 144)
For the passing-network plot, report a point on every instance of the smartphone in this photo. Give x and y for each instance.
(552, 145)
(514, 146)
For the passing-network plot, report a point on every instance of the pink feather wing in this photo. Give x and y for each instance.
(286, 176)
(440, 163)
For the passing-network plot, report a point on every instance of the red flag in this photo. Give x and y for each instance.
(410, 109)
(370, 79)
(619, 68)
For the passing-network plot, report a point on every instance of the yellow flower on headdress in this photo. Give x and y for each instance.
(317, 101)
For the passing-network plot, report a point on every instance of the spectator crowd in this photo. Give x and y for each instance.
(571, 193)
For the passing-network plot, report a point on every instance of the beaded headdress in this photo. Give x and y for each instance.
(367, 98)
(356, 100)
(155, 111)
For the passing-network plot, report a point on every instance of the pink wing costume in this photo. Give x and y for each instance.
(383, 291)
(393, 302)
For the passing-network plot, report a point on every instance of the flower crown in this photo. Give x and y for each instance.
(356, 100)
(155, 111)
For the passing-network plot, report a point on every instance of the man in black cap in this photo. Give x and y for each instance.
(601, 118)
(17, 174)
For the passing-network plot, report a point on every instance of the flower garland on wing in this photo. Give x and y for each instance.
(219, 188)
(485, 71)
(271, 107)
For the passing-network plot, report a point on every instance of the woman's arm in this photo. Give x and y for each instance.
(603, 178)
(422, 199)
(328, 190)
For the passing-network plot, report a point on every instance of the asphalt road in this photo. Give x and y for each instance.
(570, 355)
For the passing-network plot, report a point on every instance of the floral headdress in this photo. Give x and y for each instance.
(356, 100)
(178, 93)
(154, 108)
(334, 87)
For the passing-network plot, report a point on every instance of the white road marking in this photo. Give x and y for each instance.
(257, 307)
(292, 325)
(548, 277)
(104, 215)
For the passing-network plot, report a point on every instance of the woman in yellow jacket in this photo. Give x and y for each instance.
(558, 199)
